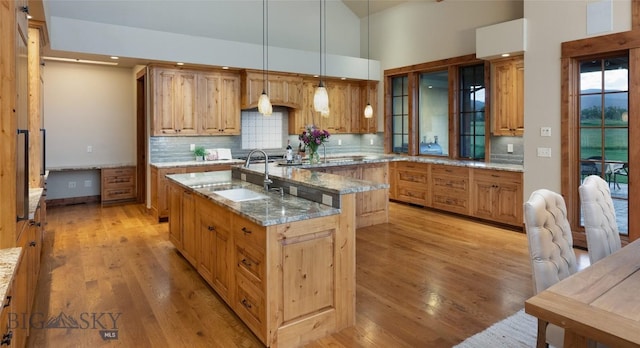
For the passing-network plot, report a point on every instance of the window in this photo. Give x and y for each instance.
(433, 122)
(604, 127)
(400, 114)
(472, 115)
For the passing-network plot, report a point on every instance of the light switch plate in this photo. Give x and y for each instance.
(545, 131)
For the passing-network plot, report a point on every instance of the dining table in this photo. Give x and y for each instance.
(599, 303)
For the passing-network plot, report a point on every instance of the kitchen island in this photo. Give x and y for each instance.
(285, 263)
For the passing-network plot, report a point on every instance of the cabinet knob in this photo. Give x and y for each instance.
(246, 230)
(6, 338)
(246, 262)
(246, 303)
(211, 228)
(32, 244)
(8, 302)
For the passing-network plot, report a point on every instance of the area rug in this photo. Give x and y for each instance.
(518, 330)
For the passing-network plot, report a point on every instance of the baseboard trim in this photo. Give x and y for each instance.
(72, 201)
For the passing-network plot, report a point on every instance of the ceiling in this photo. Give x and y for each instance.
(161, 19)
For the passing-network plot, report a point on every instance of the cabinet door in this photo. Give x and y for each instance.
(163, 190)
(508, 97)
(369, 94)
(482, 196)
(356, 110)
(164, 108)
(175, 215)
(188, 228)
(215, 247)
(305, 115)
(338, 106)
(186, 104)
(508, 203)
(230, 104)
(209, 90)
(373, 205)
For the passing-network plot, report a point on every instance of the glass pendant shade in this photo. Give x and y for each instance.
(264, 105)
(368, 111)
(321, 99)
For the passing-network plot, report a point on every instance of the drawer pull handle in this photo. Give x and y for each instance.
(246, 303)
(8, 302)
(32, 244)
(246, 262)
(211, 228)
(246, 230)
(6, 338)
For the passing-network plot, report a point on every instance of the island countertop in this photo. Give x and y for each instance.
(273, 210)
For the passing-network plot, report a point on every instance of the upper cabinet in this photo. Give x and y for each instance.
(191, 102)
(347, 100)
(283, 89)
(507, 97)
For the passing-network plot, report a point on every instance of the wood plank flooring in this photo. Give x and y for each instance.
(425, 279)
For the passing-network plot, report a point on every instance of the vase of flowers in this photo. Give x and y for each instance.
(312, 139)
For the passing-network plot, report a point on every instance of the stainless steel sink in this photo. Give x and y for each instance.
(240, 194)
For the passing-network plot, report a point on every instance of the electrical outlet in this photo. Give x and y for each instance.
(192, 147)
(89, 148)
(544, 152)
(545, 131)
(371, 141)
(87, 183)
(72, 184)
(339, 142)
(509, 148)
(293, 190)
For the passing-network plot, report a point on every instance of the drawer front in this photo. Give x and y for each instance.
(498, 176)
(448, 171)
(451, 202)
(412, 195)
(250, 263)
(126, 171)
(250, 306)
(411, 177)
(449, 183)
(118, 181)
(249, 233)
(118, 194)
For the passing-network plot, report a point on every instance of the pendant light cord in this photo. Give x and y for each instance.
(368, 48)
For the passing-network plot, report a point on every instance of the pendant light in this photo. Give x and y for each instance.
(264, 104)
(321, 97)
(368, 110)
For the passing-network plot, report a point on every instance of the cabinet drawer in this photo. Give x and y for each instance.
(411, 176)
(118, 181)
(115, 194)
(450, 171)
(250, 263)
(412, 195)
(451, 202)
(250, 306)
(249, 233)
(449, 183)
(125, 171)
(498, 176)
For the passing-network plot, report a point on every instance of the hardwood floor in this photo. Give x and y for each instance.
(425, 279)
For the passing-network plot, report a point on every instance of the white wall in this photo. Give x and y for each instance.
(549, 24)
(88, 105)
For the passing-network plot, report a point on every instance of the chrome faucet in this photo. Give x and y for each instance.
(266, 181)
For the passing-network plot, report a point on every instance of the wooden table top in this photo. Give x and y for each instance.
(601, 302)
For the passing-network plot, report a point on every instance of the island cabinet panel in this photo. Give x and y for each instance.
(412, 181)
(216, 248)
(372, 207)
(497, 195)
(450, 188)
(290, 283)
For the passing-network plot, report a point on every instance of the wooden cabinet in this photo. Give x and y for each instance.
(194, 102)
(218, 103)
(215, 254)
(21, 291)
(7, 329)
(450, 188)
(369, 94)
(372, 207)
(174, 102)
(497, 196)
(290, 283)
(412, 183)
(160, 185)
(507, 97)
(347, 100)
(118, 184)
(283, 89)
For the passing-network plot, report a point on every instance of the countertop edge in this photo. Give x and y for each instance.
(9, 260)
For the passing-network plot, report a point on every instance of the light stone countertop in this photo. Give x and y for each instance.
(361, 158)
(9, 259)
(89, 167)
(273, 210)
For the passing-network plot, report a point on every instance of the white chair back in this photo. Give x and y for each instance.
(550, 239)
(599, 216)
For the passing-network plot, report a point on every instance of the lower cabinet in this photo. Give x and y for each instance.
(489, 194)
(372, 207)
(289, 283)
(118, 185)
(497, 196)
(450, 188)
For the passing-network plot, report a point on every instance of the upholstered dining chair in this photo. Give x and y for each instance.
(599, 217)
(551, 251)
